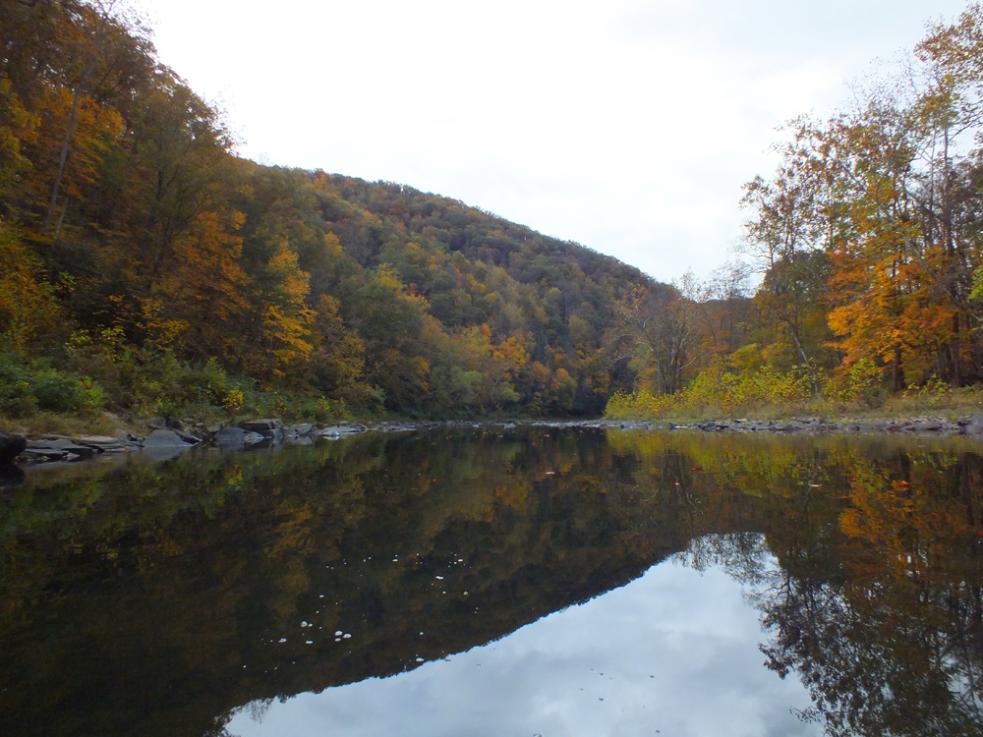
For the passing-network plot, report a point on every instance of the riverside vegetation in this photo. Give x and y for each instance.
(868, 238)
(149, 271)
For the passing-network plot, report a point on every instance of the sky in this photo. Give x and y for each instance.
(624, 125)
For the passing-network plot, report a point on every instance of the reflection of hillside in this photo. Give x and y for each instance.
(145, 599)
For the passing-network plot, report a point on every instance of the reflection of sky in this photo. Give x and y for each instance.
(673, 653)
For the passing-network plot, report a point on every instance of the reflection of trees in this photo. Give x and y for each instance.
(134, 595)
(878, 667)
(876, 602)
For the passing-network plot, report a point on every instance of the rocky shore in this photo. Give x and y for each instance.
(969, 426)
(168, 441)
(165, 441)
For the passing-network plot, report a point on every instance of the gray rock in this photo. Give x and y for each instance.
(165, 439)
(42, 454)
(253, 438)
(11, 446)
(235, 438)
(163, 445)
(713, 426)
(119, 448)
(105, 444)
(926, 425)
(340, 431)
(974, 426)
(229, 438)
(55, 442)
(270, 429)
(381, 427)
(188, 437)
(96, 439)
(165, 452)
(787, 427)
(300, 430)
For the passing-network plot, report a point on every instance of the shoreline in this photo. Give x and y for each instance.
(163, 443)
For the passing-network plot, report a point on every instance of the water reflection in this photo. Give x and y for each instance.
(673, 652)
(179, 598)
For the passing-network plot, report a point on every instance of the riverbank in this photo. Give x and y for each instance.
(167, 442)
(164, 442)
(931, 425)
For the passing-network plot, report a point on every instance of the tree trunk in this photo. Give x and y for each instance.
(66, 147)
(898, 378)
(813, 376)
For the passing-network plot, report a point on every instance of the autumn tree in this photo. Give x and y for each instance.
(660, 331)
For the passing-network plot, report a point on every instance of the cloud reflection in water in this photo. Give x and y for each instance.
(674, 652)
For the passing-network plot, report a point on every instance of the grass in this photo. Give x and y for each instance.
(942, 403)
(59, 423)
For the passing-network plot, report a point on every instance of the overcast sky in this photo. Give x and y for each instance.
(625, 125)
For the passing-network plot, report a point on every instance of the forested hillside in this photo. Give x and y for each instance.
(149, 270)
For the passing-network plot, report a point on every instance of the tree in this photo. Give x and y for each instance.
(660, 331)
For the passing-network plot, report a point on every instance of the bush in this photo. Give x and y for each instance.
(862, 383)
(715, 390)
(146, 382)
(233, 400)
(26, 387)
(933, 391)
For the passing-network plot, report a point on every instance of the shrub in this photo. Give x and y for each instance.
(233, 400)
(717, 389)
(862, 383)
(29, 386)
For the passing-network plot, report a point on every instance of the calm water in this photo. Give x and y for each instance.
(488, 582)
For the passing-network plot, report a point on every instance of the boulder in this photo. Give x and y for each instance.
(928, 425)
(119, 444)
(189, 438)
(165, 444)
(786, 427)
(713, 426)
(235, 438)
(973, 426)
(165, 439)
(67, 445)
(42, 454)
(270, 429)
(11, 446)
(229, 438)
(105, 444)
(340, 431)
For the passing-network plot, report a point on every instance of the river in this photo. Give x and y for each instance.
(524, 581)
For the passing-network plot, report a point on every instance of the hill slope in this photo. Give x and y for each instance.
(150, 269)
